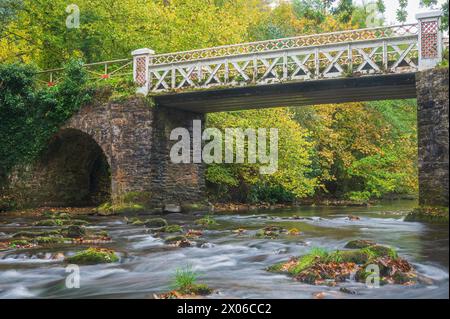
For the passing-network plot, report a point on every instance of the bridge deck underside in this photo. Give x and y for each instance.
(314, 92)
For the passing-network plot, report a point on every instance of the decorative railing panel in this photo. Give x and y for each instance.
(388, 55)
(288, 43)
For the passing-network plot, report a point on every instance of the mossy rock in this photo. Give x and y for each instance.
(108, 209)
(174, 239)
(172, 229)
(349, 256)
(276, 267)
(377, 251)
(195, 207)
(267, 234)
(75, 231)
(56, 215)
(49, 240)
(77, 222)
(205, 221)
(92, 256)
(156, 222)
(322, 267)
(34, 234)
(19, 242)
(50, 222)
(437, 215)
(61, 222)
(103, 233)
(359, 243)
(134, 221)
(196, 289)
(271, 231)
(394, 271)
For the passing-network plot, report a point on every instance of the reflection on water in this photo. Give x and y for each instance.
(232, 263)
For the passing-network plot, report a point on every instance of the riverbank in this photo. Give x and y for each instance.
(213, 207)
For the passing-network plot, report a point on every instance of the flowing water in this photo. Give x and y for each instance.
(231, 263)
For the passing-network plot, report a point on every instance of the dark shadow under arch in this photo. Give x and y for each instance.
(77, 170)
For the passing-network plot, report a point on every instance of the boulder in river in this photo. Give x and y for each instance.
(155, 222)
(92, 256)
(75, 231)
(322, 267)
(172, 208)
(172, 229)
(359, 243)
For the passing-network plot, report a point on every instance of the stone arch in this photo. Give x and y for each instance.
(75, 169)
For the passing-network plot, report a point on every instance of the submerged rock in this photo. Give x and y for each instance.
(271, 231)
(155, 222)
(172, 208)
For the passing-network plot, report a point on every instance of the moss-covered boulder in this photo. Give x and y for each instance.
(75, 231)
(108, 209)
(271, 231)
(438, 215)
(188, 291)
(392, 271)
(172, 229)
(359, 243)
(60, 222)
(50, 222)
(205, 221)
(155, 222)
(49, 240)
(92, 256)
(178, 241)
(322, 267)
(34, 234)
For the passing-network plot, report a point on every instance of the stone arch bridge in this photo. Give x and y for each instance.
(115, 149)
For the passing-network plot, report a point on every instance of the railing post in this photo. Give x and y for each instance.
(430, 39)
(141, 62)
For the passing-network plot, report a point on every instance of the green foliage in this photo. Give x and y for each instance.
(185, 277)
(242, 182)
(358, 151)
(31, 115)
(363, 151)
(120, 208)
(270, 194)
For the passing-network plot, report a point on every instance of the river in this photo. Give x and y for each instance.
(231, 263)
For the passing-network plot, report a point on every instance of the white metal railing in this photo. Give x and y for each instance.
(287, 43)
(381, 50)
(377, 56)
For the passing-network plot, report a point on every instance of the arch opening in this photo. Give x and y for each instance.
(77, 170)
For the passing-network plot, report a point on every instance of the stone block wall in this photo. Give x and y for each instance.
(433, 122)
(112, 149)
